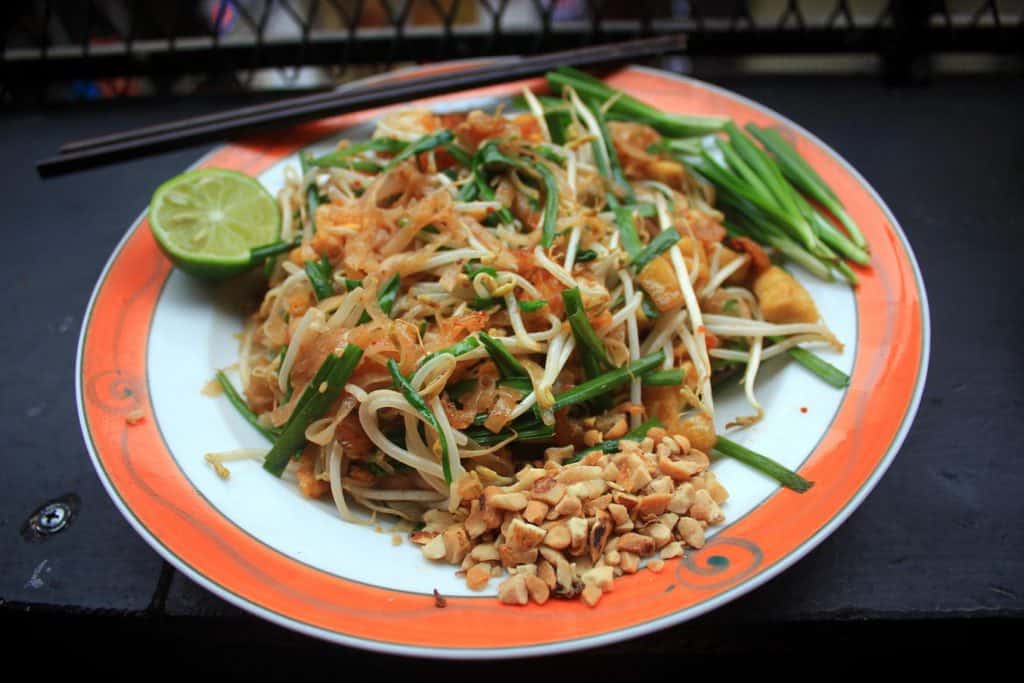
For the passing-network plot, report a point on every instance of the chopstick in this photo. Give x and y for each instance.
(132, 144)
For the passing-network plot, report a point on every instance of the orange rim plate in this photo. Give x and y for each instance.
(152, 337)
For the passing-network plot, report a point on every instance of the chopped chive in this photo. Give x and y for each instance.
(661, 243)
(532, 432)
(592, 351)
(665, 378)
(551, 155)
(649, 309)
(461, 348)
(474, 267)
(423, 144)
(614, 165)
(531, 305)
(507, 364)
(273, 249)
(763, 464)
(630, 239)
(818, 365)
(319, 273)
(417, 402)
(460, 155)
(313, 199)
(343, 157)
(584, 255)
(609, 380)
(631, 108)
(550, 204)
(318, 399)
(243, 408)
(388, 293)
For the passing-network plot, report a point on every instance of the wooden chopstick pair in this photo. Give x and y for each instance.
(139, 142)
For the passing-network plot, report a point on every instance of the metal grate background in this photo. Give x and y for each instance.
(114, 47)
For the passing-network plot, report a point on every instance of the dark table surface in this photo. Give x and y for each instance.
(939, 544)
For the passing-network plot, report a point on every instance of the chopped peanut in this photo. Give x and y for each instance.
(535, 512)
(513, 590)
(478, 576)
(691, 531)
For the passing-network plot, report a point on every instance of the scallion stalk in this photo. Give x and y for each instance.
(314, 402)
(608, 381)
(236, 400)
(508, 365)
(630, 108)
(416, 401)
(319, 274)
(662, 242)
(763, 464)
(424, 144)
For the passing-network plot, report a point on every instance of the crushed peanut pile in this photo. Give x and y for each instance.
(570, 530)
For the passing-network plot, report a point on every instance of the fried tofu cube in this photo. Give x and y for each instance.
(783, 299)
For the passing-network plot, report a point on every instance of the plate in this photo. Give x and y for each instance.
(153, 338)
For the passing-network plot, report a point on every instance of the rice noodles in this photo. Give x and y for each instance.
(477, 314)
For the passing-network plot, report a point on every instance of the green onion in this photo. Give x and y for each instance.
(388, 293)
(649, 309)
(630, 108)
(730, 306)
(584, 255)
(645, 209)
(319, 273)
(665, 378)
(763, 464)
(532, 432)
(490, 155)
(629, 237)
(417, 402)
(593, 354)
(273, 249)
(550, 154)
(614, 165)
(612, 445)
(243, 408)
(460, 155)
(531, 305)
(661, 243)
(461, 348)
(608, 381)
(508, 365)
(313, 403)
(351, 284)
(800, 173)
(343, 157)
(547, 231)
(386, 296)
(473, 267)
(424, 144)
(313, 199)
(818, 365)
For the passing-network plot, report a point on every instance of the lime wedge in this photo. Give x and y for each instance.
(207, 221)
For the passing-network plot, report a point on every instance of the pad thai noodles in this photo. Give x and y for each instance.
(508, 330)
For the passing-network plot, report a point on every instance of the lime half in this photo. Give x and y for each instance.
(207, 221)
